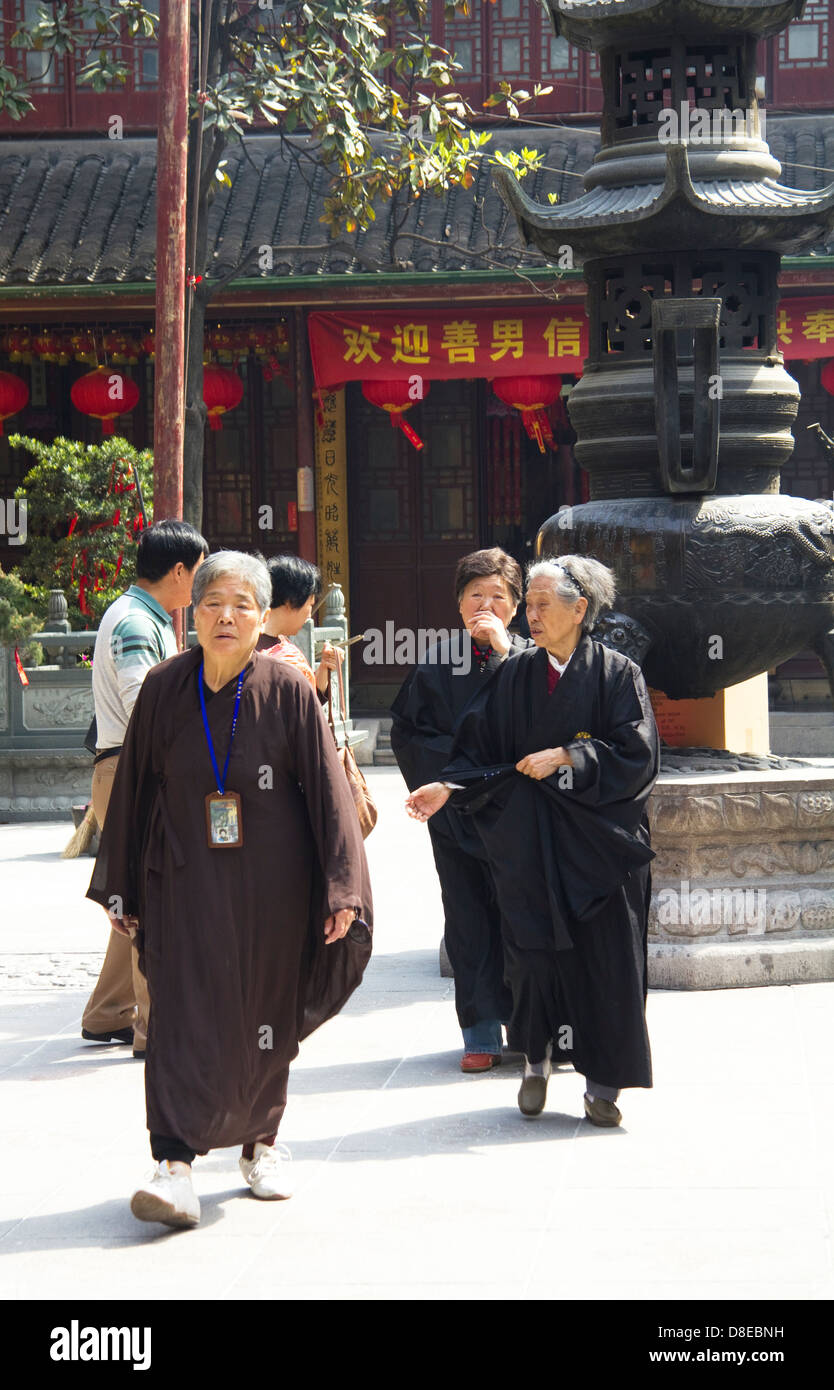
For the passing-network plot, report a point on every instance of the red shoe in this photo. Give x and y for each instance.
(479, 1061)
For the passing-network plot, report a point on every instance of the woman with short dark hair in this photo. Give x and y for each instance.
(488, 589)
(296, 584)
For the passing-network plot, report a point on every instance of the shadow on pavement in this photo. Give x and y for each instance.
(400, 977)
(104, 1224)
(463, 1133)
(417, 1070)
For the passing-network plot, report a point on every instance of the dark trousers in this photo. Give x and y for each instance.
(164, 1146)
(473, 933)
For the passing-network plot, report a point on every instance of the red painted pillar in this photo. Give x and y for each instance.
(305, 440)
(171, 179)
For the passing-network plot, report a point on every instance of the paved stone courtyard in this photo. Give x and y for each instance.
(412, 1180)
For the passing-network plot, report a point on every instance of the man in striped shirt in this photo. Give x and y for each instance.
(135, 634)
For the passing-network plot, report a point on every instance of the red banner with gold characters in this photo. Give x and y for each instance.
(439, 344)
(805, 327)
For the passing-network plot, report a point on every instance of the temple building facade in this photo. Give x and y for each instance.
(407, 385)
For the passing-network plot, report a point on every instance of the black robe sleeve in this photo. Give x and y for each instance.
(421, 729)
(620, 766)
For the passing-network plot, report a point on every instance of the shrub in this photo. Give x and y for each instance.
(83, 520)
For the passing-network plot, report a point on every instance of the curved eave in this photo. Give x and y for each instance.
(722, 215)
(596, 24)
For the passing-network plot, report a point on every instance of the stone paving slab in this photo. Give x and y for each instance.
(413, 1181)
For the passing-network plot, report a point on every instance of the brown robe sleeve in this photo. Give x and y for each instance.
(334, 970)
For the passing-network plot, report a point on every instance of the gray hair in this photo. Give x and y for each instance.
(233, 564)
(577, 576)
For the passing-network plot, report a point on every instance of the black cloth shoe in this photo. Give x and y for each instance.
(139, 1054)
(532, 1096)
(603, 1113)
(119, 1035)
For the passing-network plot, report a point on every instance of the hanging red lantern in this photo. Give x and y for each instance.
(121, 347)
(394, 397)
(148, 343)
(14, 394)
(47, 346)
(83, 347)
(19, 345)
(531, 395)
(827, 377)
(105, 394)
(222, 391)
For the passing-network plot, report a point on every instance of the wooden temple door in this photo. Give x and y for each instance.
(413, 513)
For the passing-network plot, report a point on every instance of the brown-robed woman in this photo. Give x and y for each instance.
(229, 784)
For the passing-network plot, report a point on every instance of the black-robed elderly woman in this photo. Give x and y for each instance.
(488, 590)
(233, 846)
(555, 762)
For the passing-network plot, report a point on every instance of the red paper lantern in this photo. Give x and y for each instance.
(105, 394)
(222, 391)
(394, 397)
(47, 345)
(827, 377)
(531, 395)
(19, 345)
(14, 394)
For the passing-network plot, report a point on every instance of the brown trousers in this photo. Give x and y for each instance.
(120, 999)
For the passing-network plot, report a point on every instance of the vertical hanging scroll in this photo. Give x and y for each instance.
(331, 492)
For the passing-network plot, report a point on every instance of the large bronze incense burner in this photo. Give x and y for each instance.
(684, 411)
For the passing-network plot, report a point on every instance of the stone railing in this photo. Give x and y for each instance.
(44, 766)
(743, 882)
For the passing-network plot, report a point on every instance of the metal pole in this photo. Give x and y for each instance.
(171, 179)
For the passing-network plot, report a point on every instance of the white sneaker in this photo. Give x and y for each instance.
(168, 1197)
(267, 1173)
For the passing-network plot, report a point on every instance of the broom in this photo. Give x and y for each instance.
(83, 836)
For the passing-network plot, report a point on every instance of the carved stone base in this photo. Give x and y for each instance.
(740, 965)
(42, 785)
(743, 882)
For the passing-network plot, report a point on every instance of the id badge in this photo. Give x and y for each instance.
(224, 821)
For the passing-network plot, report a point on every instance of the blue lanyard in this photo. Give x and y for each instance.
(221, 781)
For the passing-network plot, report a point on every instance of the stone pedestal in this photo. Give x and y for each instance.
(735, 718)
(743, 882)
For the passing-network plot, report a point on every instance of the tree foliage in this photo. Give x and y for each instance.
(22, 610)
(360, 81)
(83, 520)
(330, 68)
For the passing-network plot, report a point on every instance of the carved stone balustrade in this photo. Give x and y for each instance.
(743, 882)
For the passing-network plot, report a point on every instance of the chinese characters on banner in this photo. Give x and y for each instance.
(439, 344)
(805, 327)
(331, 493)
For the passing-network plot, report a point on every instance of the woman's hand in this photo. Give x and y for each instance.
(426, 800)
(337, 924)
(331, 657)
(125, 926)
(540, 765)
(488, 630)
